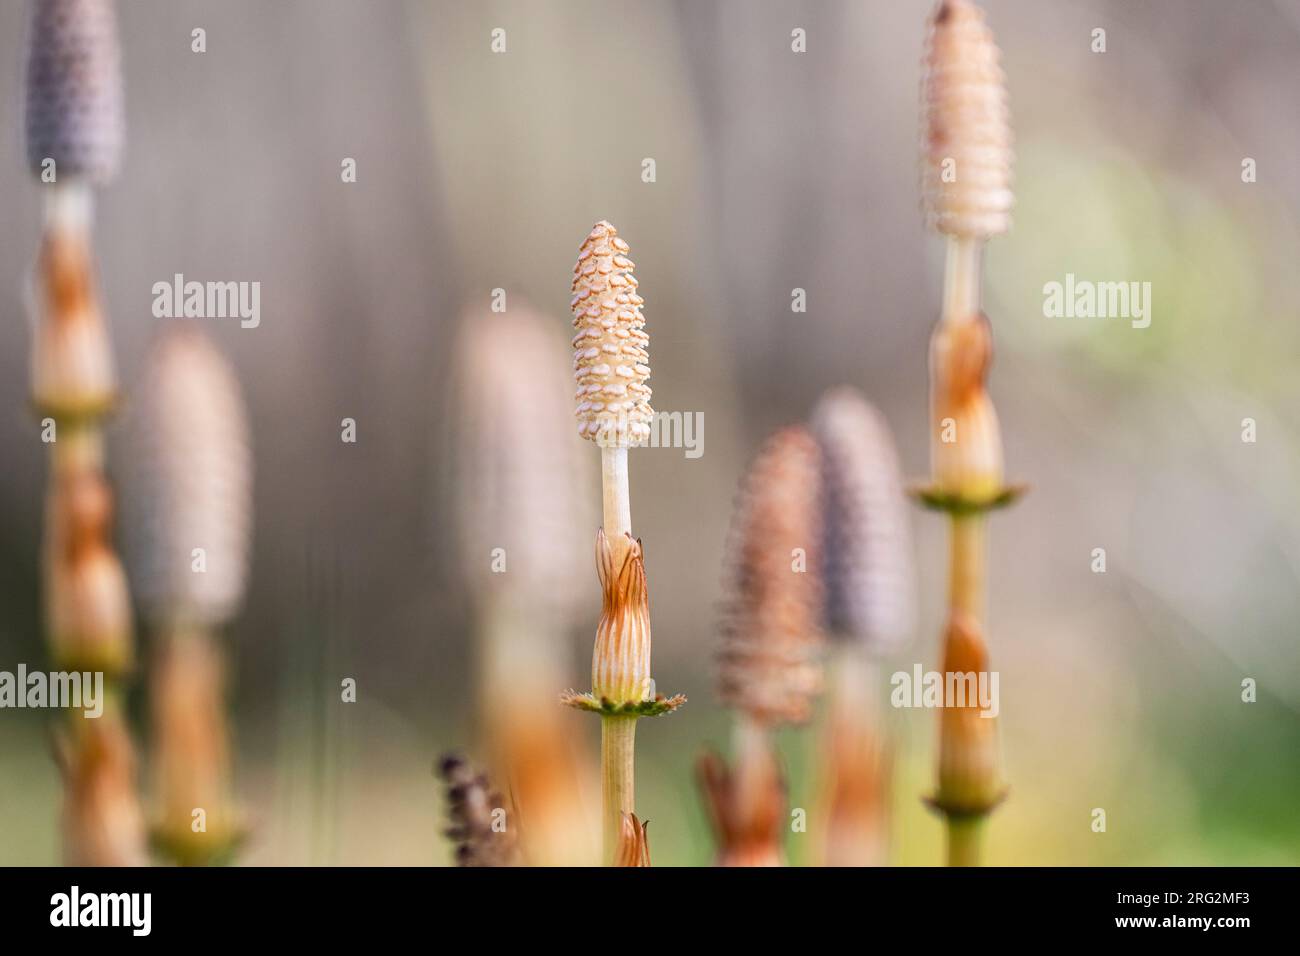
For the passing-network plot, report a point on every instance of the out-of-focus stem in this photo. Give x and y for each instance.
(961, 281)
(751, 744)
(965, 836)
(191, 747)
(966, 587)
(78, 447)
(69, 206)
(966, 597)
(756, 791)
(854, 771)
(617, 768)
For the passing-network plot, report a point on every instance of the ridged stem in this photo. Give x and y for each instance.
(617, 504)
(617, 777)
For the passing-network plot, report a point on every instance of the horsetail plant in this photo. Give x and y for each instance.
(869, 612)
(613, 410)
(769, 664)
(188, 503)
(966, 185)
(74, 137)
(518, 489)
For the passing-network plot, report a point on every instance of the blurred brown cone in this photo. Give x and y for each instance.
(769, 663)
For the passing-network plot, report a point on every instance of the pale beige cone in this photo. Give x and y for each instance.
(519, 482)
(967, 155)
(187, 483)
(610, 348)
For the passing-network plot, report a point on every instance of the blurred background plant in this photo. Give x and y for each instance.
(73, 135)
(186, 518)
(869, 613)
(774, 171)
(518, 490)
(769, 656)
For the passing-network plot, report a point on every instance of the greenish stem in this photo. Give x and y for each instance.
(617, 776)
(965, 837)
